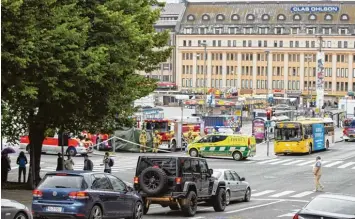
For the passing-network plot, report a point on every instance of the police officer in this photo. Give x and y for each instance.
(156, 141)
(143, 141)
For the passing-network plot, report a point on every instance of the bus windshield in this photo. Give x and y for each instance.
(288, 134)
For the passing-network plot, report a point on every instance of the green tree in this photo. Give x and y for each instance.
(71, 65)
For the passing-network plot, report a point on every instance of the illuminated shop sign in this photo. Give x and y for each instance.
(315, 9)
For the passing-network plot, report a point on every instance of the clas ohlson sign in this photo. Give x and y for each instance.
(315, 9)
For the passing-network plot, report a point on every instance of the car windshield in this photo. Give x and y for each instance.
(68, 181)
(332, 205)
(288, 134)
(216, 174)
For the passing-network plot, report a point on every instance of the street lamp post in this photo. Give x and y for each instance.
(308, 57)
(204, 44)
(267, 93)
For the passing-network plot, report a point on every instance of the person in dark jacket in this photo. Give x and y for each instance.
(88, 165)
(21, 161)
(5, 167)
(59, 162)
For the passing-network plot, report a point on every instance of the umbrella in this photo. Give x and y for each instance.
(8, 150)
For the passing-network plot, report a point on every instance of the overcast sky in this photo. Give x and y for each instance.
(177, 1)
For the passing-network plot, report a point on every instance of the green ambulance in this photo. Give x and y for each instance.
(237, 146)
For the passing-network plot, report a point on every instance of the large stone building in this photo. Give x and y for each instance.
(169, 19)
(267, 47)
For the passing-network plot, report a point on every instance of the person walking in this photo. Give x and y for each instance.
(69, 163)
(88, 165)
(59, 162)
(5, 167)
(21, 161)
(108, 163)
(317, 171)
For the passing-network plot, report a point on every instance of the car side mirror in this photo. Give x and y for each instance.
(210, 172)
(242, 179)
(130, 189)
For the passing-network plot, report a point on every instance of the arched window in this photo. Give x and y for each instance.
(220, 17)
(297, 17)
(312, 17)
(328, 17)
(281, 17)
(235, 17)
(344, 17)
(265, 17)
(190, 17)
(205, 17)
(250, 17)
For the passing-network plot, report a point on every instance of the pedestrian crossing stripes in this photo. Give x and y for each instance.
(281, 194)
(302, 162)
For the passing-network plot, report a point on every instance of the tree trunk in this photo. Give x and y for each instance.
(36, 137)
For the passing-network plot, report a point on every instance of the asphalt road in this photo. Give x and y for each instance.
(280, 185)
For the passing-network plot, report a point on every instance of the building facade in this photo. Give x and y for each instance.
(267, 47)
(169, 19)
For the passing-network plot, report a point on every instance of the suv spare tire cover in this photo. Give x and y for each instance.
(153, 180)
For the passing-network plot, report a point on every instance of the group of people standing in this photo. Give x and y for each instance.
(6, 166)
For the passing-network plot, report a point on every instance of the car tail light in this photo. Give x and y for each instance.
(296, 216)
(136, 180)
(37, 193)
(61, 174)
(178, 180)
(78, 195)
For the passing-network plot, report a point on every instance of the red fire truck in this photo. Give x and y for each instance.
(165, 128)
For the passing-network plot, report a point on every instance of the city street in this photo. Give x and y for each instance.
(280, 184)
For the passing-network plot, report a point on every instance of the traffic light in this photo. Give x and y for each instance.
(268, 115)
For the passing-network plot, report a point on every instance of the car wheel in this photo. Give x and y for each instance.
(190, 207)
(237, 156)
(71, 151)
(20, 215)
(219, 202)
(174, 207)
(247, 195)
(153, 180)
(137, 211)
(193, 153)
(173, 146)
(96, 213)
(228, 197)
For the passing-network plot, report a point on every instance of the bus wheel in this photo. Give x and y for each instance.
(327, 144)
(310, 149)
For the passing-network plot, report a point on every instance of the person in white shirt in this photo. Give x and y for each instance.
(69, 164)
(317, 171)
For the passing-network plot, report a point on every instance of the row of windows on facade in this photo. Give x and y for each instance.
(267, 30)
(263, 84)
(276, 57)
(267, 17)
(264, 43)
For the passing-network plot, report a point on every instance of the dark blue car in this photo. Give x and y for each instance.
(79, 194)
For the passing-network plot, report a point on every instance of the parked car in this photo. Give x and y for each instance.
(178, 182)
(329, 206)
(236, 187)
(80, 194)
(11, 209)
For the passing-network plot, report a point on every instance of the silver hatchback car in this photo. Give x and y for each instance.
(237, 187)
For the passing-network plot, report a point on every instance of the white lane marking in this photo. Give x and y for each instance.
(205, 208)
(252, 207)
(262, 193)
(305, 163)
(353, 168)
(283, 199)
(281, 194)
(333, 164)
(253, 190)
(251, 161)
(323, 162)
(290, 214)
(281, 161)
(346, 165)
(302, 194)
(293, 162)
(268, 161)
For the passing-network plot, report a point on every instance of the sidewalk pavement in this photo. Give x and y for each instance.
(22, 196)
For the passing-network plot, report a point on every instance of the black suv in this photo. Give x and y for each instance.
(178, 182)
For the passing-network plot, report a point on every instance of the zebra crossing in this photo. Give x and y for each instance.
(340, 164)
(120, 165)
(282, 194)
